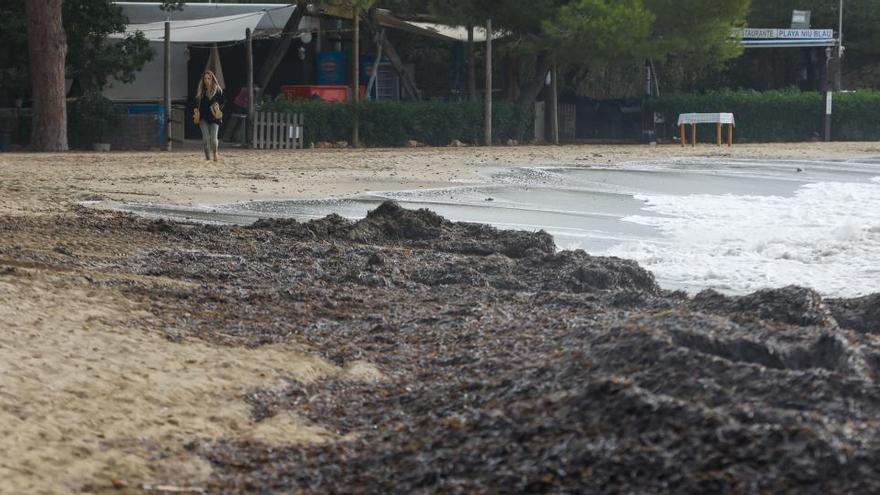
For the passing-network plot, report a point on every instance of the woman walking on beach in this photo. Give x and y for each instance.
(208, 113)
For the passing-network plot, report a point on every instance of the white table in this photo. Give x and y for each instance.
(718, 119)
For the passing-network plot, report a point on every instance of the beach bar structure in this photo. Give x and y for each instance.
(317, 64)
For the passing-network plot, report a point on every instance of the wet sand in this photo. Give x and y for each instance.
(52, 183)
(135, 353)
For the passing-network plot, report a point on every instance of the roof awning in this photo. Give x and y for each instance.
(434, 30)
(210, 30)
(386, 18)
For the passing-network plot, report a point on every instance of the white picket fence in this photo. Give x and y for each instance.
(277, 131)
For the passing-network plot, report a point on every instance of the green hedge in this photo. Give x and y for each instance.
(388, 124)
(856, 116)
(91, 119)
(778, 115)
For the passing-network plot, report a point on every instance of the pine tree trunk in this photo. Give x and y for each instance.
(47, 49)
(472, 66)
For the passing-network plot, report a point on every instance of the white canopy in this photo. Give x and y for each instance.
(211, 30)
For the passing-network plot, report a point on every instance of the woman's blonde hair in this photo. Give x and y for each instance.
(215, 86)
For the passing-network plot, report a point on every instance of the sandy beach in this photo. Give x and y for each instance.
(117, 373)
(52, 183)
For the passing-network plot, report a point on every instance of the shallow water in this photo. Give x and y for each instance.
(733, 225)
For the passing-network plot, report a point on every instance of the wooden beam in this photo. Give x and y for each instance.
(488, 98)
(249, 55)
(472, 66)
(279, 49)
(554, 105)
(408, 85)
(356, 74)
(374, 72)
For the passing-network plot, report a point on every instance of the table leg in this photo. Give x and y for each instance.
(681, 131)
(693, 134)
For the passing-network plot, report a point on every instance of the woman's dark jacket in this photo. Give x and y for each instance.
(205, 106)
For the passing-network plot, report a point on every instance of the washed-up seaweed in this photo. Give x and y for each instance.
(507, 366)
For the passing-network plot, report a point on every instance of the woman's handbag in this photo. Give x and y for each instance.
(216, 112)
(197, 117)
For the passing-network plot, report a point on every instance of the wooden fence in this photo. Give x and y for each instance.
(276, 131)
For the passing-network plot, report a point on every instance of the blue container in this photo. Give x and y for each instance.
(159, 112)
(332, 69)
(5, 140)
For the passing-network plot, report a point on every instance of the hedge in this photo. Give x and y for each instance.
(91, 119)
(778, 115)
(389, 124)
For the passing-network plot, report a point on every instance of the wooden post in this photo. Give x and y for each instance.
(729, 135)
(488, 98)
(472, 66)
(719, 133)
(167, 86)
(683, 134)
(355, 76)
(554, 106)
(249, 62)
(693, 134)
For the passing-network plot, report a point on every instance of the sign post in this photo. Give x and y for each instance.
(829, 98)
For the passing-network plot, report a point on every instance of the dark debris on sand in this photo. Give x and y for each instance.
(511, 367)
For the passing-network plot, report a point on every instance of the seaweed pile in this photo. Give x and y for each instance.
(510, 367)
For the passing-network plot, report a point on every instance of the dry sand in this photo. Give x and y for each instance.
(91, 395)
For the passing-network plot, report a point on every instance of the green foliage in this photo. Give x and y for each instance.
(14, 74)
(90, 58)
(388, 124)
(90, 120)
(774, 116)
(856, 116)
(595, 35)
(599, 31)
(696, 30)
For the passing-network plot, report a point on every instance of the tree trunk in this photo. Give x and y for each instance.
(47, 49)
(511, 80)
(531, 90)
